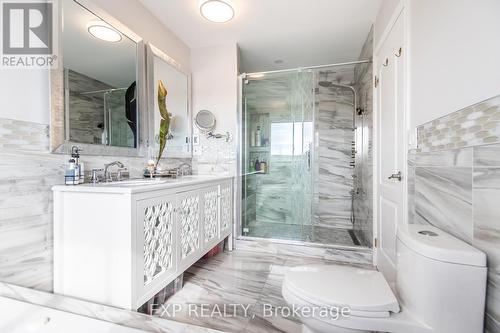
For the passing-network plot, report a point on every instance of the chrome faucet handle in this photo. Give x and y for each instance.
(122, 174)
(184, 169)
(95, 176)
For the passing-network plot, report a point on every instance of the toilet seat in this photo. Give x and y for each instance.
(374, 307)
(365, 292)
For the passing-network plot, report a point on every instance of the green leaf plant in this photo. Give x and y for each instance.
(165, 118)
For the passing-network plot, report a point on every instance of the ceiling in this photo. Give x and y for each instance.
(110, 63)
(298, 32)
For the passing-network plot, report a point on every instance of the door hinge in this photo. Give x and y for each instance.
(375, 242)
(376, 81)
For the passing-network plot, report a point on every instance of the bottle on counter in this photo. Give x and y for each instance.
(257, 164)
(258, 139)
(263, 166)
(72, 174)
(75, 155)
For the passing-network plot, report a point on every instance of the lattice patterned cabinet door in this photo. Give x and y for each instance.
(189, 217)
(210, 212)
(226, 207)
(158, 240)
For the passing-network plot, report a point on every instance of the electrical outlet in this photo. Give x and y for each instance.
(196, 140)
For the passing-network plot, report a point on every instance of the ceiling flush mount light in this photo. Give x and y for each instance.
(103, 31)
(218, 11)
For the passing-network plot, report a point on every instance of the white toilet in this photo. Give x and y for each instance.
(440, 286)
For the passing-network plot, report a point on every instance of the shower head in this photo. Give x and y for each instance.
(325, 83)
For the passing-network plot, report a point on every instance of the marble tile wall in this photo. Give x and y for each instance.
(15, 134)
(333, 183)
(87, 111)
(458, 190)
(486, 227)
(363, 183)
(214, 156)
(27, 173)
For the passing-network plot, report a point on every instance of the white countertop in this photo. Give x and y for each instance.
(141, 184)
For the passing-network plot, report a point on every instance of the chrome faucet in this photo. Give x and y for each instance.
(107, 174)
(184, 169)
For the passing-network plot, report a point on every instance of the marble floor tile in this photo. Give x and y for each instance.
(272, 325)
(262, 246)
(360, 257)
(253, 279)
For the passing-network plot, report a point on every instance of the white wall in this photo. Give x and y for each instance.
(386, 10)
(454, 55)
(215, 88)
(215, 85)
(25, 93)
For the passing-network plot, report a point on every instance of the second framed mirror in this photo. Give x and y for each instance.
(165, 72)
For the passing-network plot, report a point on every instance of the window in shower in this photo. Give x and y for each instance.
(288, 138)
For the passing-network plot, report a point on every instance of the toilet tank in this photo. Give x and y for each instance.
(441, 280)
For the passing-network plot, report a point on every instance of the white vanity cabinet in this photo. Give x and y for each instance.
(120, 244)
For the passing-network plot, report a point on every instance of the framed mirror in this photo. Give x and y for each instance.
(161, 67)
(101, 82)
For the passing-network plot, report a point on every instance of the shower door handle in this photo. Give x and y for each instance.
(398, 176)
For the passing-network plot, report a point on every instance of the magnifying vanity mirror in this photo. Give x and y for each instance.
(206, 122)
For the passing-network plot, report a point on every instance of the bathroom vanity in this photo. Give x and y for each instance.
(120, 243)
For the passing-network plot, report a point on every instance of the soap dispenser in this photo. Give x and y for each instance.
(71, 175)
(79, 167)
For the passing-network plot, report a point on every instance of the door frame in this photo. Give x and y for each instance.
(401, 11)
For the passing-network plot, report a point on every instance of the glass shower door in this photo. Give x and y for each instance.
(119, 130)
(277, 155)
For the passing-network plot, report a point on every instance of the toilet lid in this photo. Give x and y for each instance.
(336, 285)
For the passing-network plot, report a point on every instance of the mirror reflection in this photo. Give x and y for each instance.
(177, 102)
(100, 80)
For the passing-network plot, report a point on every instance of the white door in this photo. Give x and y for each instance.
(391, 129)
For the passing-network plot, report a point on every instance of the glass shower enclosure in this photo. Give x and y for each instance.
(298, 143)
(277, 148)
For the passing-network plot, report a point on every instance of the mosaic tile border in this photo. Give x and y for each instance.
(474, 125)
